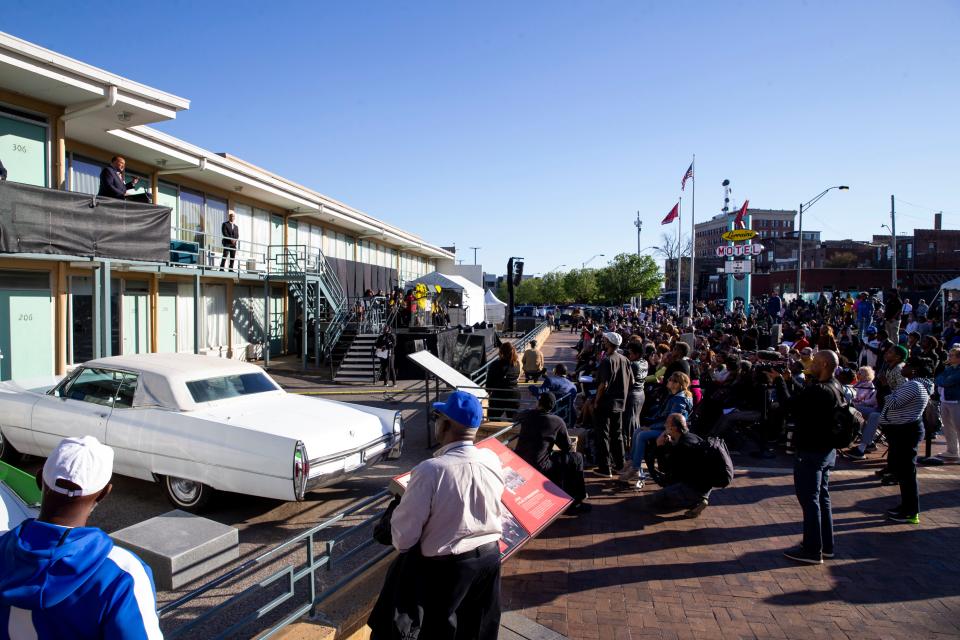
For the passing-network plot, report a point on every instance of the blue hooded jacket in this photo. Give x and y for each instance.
(58, 582)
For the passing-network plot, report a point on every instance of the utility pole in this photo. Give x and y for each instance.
(893, 243)
(800, 250)
(639, 225)
(475, 253)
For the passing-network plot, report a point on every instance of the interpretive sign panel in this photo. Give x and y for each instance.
(532, 502)
(447, 374)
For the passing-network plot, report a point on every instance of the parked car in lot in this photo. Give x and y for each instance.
(198, 424)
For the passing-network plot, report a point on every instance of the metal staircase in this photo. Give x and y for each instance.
(357, 363)
(318, 293)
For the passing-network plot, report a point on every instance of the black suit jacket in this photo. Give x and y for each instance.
(230, 233)
(112, 185)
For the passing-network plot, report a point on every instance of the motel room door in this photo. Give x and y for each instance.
(26, 325)
(136, 317)
(167, 318)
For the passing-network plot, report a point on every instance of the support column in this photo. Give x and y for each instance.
(106, 324)
(97, 318)
(61, 300)
(60, 155)
(316, 326)
(196, 312)
(154, 306)
(304, 302)
(155, 189)
(266, 324)
(229, 303)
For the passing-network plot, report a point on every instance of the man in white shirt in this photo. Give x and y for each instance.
(447, 528)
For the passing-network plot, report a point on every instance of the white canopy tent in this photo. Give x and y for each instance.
(495, 308)
(950, 285)
(471, 295)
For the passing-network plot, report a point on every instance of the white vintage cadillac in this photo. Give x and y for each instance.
(198, 424)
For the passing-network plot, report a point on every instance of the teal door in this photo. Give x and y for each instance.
(23, 146)
(136, 321)
(26, 334)
(167, 318)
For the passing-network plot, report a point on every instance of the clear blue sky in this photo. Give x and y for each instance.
(540, 128)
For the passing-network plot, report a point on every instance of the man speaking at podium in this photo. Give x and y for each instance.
(446, 583)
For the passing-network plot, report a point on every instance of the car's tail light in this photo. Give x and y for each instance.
(301, 470)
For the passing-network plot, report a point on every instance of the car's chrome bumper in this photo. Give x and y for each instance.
(329, 470)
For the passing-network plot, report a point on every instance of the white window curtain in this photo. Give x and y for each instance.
(247, 320)
(261, 234)
(215, 213)
(215, 316)
(185, 317)
(244, 221)
(191, 217)
(84, 176)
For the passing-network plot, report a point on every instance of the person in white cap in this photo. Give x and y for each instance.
(614, 378)
(60, 578)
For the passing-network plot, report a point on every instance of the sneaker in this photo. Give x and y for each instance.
(948, 457)
(888, 480)
(896, 511)
(905, 518)
(799, 555)
(853, 454)
(696, 510)
(827, 555)
(870, 448)
(628, 472)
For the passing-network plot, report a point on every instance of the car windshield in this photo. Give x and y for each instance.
(223, 387)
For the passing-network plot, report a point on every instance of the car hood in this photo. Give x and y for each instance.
(326, 427)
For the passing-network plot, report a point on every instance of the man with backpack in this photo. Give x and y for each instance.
(815, 410)
(684, 474)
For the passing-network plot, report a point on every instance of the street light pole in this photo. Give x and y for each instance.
(812, 201)
(584, 265)
(800, 250)
(475, 253)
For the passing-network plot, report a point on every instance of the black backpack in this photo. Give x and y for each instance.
(717, 465)
(847, 420)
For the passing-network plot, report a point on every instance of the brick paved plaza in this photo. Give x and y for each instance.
(623, 572)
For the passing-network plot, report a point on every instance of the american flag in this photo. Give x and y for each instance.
(686, 176)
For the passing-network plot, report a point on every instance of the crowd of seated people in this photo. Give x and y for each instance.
(727, 375)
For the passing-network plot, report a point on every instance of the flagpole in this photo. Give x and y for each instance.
(693, 230)
(679, 250)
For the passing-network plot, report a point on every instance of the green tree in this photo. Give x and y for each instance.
(552, 288)
(580, 285)
(629, 275)
(529, 292)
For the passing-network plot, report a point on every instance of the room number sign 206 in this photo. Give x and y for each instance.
(25, 317)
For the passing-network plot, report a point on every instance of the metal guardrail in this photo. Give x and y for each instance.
(480, 375)
(291, 575)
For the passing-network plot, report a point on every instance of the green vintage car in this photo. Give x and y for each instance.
(19, 497)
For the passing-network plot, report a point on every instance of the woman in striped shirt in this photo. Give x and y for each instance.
(902, 421)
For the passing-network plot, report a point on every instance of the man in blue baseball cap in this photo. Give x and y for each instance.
(448, 524)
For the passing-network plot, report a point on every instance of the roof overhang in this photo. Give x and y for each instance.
(45, 75)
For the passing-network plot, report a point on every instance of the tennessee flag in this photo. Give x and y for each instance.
(738, 223)
(672, 215)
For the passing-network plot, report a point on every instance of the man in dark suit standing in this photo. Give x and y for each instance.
(3, 172)
(112, 181)
(231, 234)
